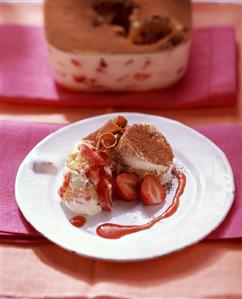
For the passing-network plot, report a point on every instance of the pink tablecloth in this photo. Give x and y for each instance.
(18, 138)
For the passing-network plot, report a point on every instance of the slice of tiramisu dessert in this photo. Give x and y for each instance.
(143, 150)
(134, 161)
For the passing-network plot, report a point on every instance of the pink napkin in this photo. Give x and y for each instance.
(18, 138)
(209, 81)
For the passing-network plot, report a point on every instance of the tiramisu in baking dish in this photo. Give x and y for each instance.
(120, 162)
(97, 45)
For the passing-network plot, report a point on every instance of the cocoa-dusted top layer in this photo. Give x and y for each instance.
(146, 143)
(117, 26)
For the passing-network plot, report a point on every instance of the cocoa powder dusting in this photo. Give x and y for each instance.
(117, 26)
(146, 143)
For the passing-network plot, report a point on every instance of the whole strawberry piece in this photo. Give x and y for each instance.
(127, 186)
(151, 191)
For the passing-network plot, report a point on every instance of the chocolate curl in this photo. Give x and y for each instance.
(112, 126)
(107, 141)
(92, 136)
(115, 125)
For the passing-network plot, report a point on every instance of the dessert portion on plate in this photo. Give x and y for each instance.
(144, 150)
(130, 162)
(87, 186)
(97, 45)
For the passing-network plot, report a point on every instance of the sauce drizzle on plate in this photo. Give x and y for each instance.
(115, 231)
(78, 221)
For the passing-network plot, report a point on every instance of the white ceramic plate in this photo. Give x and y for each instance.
(207, 198)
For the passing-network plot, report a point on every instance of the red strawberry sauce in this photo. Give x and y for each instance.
(115, 231)
(78, 221)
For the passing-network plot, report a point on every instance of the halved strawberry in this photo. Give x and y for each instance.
(151, 191)
(127, 186)
(104, 190)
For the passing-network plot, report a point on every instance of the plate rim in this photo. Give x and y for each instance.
(127, 114)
